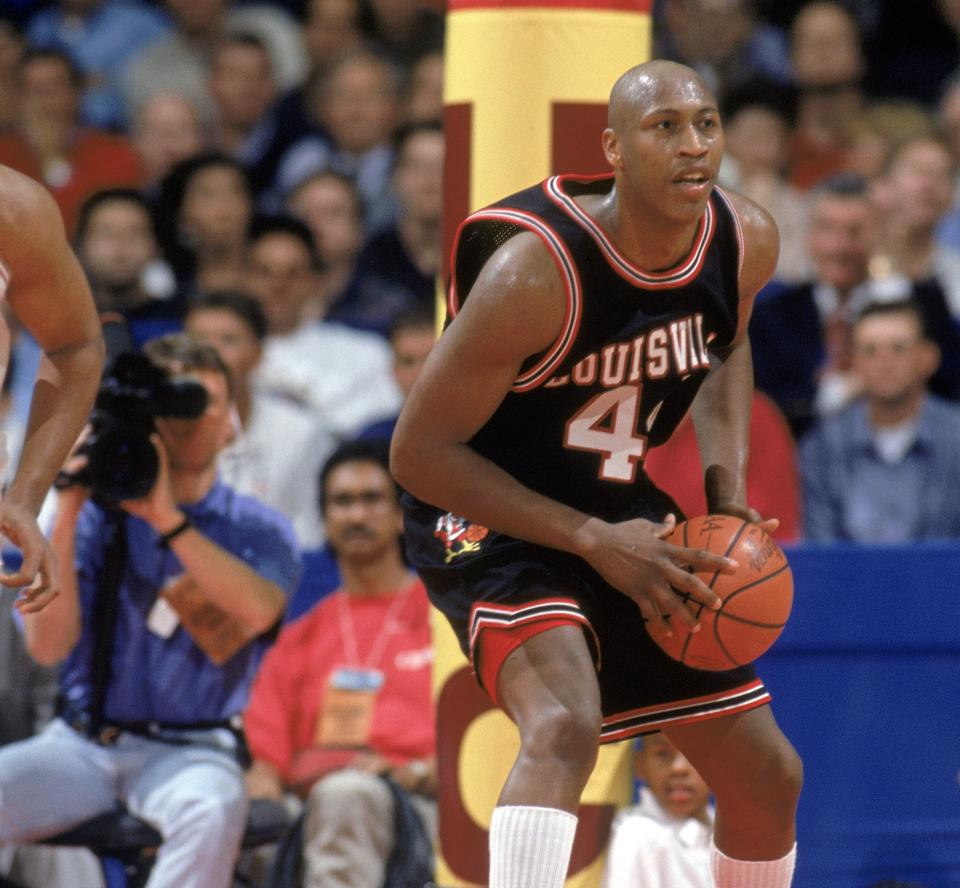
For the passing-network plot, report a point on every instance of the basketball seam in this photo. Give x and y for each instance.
(716, 619)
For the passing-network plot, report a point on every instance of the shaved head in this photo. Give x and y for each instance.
(645, 86)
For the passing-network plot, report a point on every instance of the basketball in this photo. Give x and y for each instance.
(756, 598)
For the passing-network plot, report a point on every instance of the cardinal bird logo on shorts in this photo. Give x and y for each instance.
(458, 536)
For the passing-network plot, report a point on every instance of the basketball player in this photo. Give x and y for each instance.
(45, 289)
(588, 315)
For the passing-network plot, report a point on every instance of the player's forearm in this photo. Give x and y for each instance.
(51, 633)
(229, 583)
(63, 394)
(721, 416)
(455, 477)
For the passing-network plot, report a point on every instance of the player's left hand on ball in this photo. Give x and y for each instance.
(38, 570)
(767, 525)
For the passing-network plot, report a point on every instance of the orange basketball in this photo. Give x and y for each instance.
(756, 599)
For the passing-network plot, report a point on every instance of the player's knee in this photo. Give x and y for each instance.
(568, 733)
(776, 778)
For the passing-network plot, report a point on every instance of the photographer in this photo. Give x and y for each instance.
(163, 625)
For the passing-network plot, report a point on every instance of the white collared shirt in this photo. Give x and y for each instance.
(651, 849)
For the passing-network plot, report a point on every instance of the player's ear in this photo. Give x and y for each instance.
(611, 147)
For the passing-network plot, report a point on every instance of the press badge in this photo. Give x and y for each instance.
(346, 713)
(162, 619)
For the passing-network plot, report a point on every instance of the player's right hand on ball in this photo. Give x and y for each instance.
(634, 557)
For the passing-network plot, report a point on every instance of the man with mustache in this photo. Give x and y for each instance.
(344, 697)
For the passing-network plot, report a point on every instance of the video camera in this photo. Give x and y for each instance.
(122, 462)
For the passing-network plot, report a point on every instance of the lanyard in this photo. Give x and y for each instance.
(349, 636)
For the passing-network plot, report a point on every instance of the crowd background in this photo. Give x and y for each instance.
(269, 177)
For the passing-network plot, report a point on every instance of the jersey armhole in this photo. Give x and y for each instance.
(541, 370)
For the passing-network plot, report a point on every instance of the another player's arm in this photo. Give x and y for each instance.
(515, 310)
(721, 411)
(49, 296)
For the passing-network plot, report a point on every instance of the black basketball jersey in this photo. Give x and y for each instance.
(630, 357)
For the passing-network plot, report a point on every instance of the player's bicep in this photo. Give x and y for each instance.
(514, 311)
(48, 291)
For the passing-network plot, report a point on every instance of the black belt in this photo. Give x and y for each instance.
(109, 732)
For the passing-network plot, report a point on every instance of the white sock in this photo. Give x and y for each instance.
(730, 873)
(530, 847)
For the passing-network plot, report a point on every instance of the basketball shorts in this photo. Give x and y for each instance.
(497, 596)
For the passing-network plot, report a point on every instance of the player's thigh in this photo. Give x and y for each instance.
(745, 752)
(51, 782)
(551, 675)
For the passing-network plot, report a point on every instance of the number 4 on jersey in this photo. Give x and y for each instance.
(607, 424)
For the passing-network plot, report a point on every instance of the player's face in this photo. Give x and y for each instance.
(193, 444)
(361, 514)
(891, 357)
(668, 155)
(678, 788)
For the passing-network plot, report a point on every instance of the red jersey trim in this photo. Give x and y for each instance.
(484, 615)
(542, 370)
(680, 275)
(683, 712)
(737, 226)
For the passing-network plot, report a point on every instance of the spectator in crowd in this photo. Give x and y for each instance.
(329, 204)
(103, 37)
(166, 129)
(828, 67)
(886, 469)
(48, 143)
(801, 335)
(200, 576)
(403, 30)
(279, 447)
(133, 288)
(343, 375)
(398, 267)
(412, 337)
(773, 483)
(757, 119)
(180, 62)
(918, 184)
(422, 98)
(344, 697)
(355, 109)
(205, 210)
(948, 124)
(664, 840)
(28, 694)
(874, 133)
(11, 50)
(332, 28)
(723, 41)
(244, 92)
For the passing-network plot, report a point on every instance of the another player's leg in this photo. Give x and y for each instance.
(756, 776)
(548, 686)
